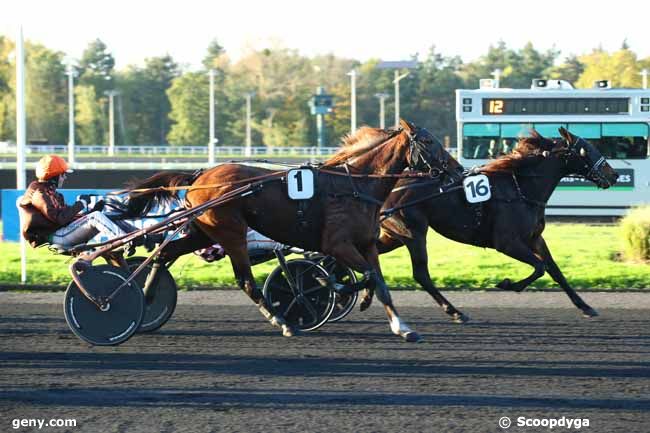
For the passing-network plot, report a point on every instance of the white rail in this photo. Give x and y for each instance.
(223, 151)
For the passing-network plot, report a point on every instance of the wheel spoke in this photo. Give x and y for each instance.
(313, 289)
(290, 306)
(310, 308)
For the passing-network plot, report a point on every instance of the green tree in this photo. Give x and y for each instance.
(570, 70)
(519, 67)
(96, 67)
(188, 96)
(89, 116)
(621, 68)
(7, 99)
(145, 102)
(215, 53)
(46, 94)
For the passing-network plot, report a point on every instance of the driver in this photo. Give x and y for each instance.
(45, 218)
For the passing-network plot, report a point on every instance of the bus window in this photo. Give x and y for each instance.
(588, 131)
(625, 140)
(515, 130)
(591, 132)
(510, 135)
(549, 130)
(477, 139)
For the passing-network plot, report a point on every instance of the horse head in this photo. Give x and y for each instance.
(426, 153)
(584, 159)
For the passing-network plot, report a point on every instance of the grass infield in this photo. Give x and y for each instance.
(589, 256)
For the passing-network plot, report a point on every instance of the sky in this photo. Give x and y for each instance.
(389, 30)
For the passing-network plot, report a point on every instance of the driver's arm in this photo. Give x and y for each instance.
(60, 215)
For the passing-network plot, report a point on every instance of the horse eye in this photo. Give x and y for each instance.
(583, 152)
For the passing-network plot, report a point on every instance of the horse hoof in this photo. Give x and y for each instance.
(412, 337)
(288, 331)
(460, 318)
(505, 284)
(589, 312)
(364, 304)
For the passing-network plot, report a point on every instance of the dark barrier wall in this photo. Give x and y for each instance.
(82, 179)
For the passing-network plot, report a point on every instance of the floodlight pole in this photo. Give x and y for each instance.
(212, 140)
(382, 112)
(397, 79)
(497, 77)
(71, 139)
(111, 121)
(353, 100)
(644, 77)
(247, 149)
(21, 138)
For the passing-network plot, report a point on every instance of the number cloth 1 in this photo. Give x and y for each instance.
(300, 184)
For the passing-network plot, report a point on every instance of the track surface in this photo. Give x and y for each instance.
(221, 368)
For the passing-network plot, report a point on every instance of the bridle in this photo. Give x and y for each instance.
(418, 151)
(593, 171)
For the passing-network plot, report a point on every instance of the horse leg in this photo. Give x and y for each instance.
(385, 244)
(369, 266)
(233, 241)
(419, 261)
(397, 325)
(554, 271)
(242, 269)
(522, 252)
(195, 240)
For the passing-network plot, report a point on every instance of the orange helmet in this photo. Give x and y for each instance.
(51, 166)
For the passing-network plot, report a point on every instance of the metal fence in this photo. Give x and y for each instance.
(223, 151)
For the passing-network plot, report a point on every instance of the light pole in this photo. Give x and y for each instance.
(397, 79)
(71, 73)
(644, 77)
(212, 139)
(353, 100)
(382, 118)
(21, 137)
(497, 77)
(111, 120)
(247, 149)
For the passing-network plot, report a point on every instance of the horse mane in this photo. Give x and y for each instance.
(364, 139)
(527, 152)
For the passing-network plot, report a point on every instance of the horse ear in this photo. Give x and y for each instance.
(535, 134)
(570, 138)
(406, 125)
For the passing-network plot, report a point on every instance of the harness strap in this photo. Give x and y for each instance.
(523, 197)
(355, 191)
(389, 212)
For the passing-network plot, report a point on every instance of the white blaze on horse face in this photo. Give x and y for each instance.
(398, 327)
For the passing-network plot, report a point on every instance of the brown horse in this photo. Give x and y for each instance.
(341, 220)
(511, 222)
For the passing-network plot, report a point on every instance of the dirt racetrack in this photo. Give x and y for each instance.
(217, 366)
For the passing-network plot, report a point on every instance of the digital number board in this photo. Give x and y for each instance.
(536, 106)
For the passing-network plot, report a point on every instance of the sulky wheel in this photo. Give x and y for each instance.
(343, 303)
(309, 303)
(120, 318)
(160, 299)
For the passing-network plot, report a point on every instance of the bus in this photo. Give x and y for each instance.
(616, 121)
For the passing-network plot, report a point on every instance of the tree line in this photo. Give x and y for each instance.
(162, 103)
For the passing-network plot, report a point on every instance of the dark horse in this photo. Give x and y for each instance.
(511, 222)
(341, 220)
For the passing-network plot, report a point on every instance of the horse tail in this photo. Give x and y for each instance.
(139, 203)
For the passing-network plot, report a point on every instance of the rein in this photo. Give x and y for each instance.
(385, 214)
